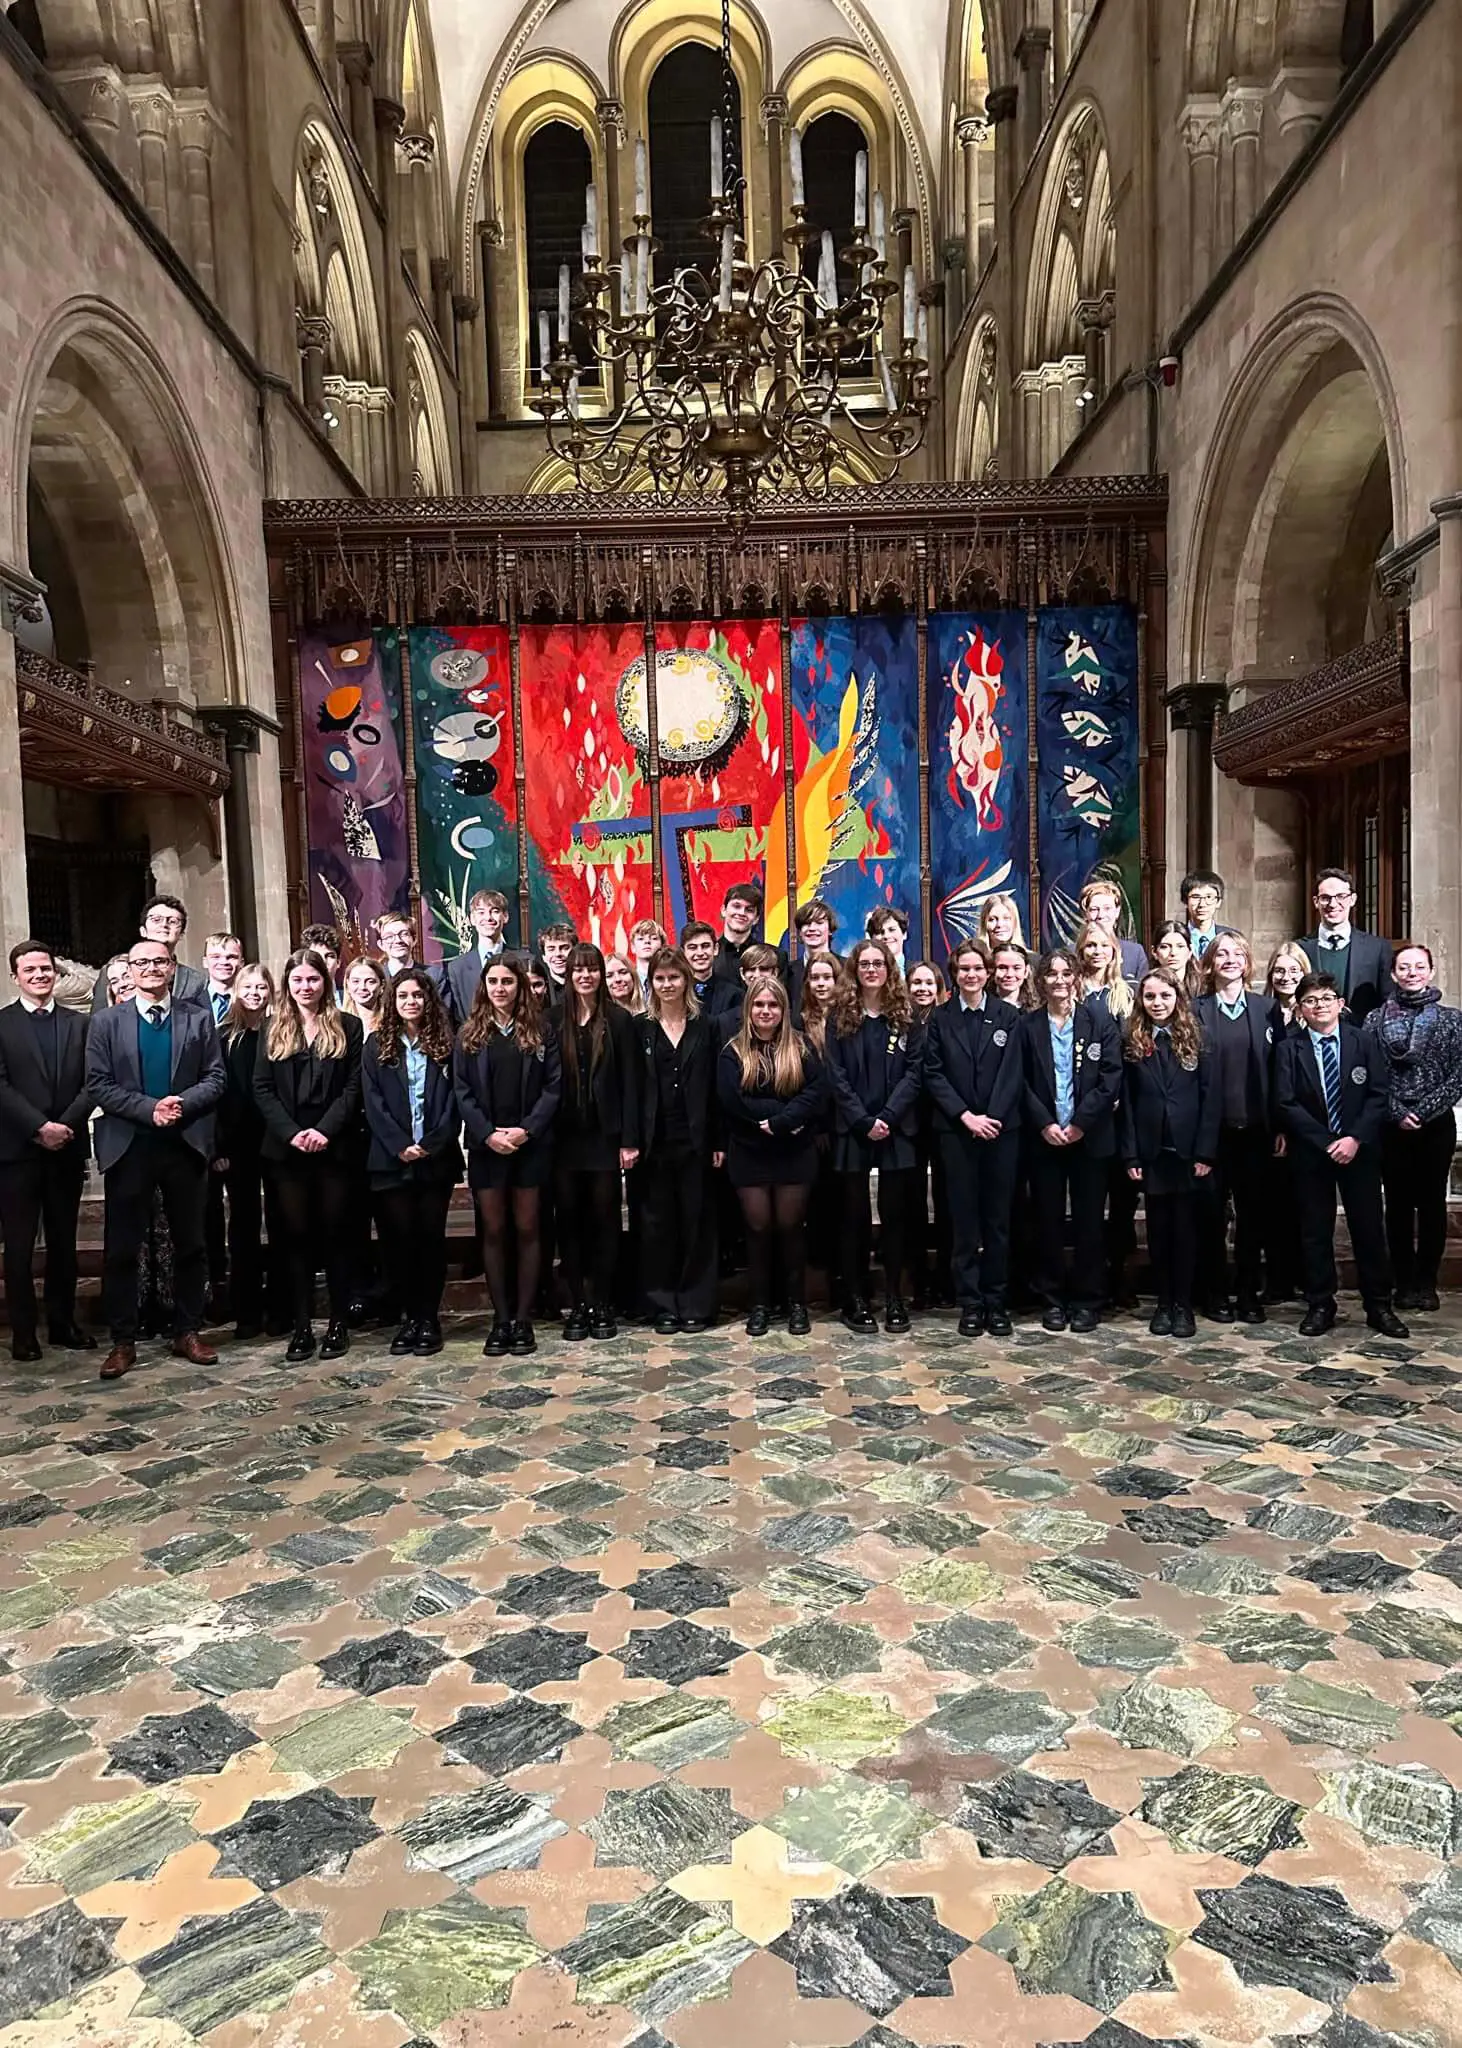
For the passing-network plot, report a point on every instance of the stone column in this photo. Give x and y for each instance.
(1436, 744)
(1001, 106)
(490, 246)
(469, 351)
(1192, 709)
(1028, 408)
(1300, 96)
(1093, 319)
(972, 135)
(1243, 115)
(1200, 138)
(20, 602)
(313, 331)
(152, 116)
(1033, 58)
(610, 114)
(377, 407)
(441, 299)
(415, 153)
(357, 63)
(195, 134)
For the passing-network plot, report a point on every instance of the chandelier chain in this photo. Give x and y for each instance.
(734, 181)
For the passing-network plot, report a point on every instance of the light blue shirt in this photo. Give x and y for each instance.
(1063, 1058)
(416, 1089)
(1233, 1011)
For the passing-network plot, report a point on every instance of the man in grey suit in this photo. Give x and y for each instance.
(155, 1070)
(164, 918)
(488, 911)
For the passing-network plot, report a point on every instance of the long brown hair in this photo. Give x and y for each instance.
(1182, 1027)
(236, 1017)
(571, 1031)
(671, 957)
(815, 1013)
(1176, 927)
(527, 1017)
(434, 1034)
(848, 1002)
(286, 1034)
(780, 1064)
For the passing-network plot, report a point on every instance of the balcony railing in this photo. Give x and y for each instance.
(80, 734)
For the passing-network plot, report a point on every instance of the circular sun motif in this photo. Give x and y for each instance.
(459, 668)
(699, 702)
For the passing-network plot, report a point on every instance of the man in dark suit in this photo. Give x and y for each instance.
(813, 925)
(488, 911)
(43, 1147)
(972, 1069)
(155, 1070)
(164, 918)
(1330, 1091)
(1359, 962)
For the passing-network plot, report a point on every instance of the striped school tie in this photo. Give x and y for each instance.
(1330, 1067)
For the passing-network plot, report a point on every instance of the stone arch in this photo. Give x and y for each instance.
(838, 78)
(977, 429)
(426, 422)
(1071, 285)
(336, 223)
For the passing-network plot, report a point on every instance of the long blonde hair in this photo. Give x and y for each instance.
(982, 929)
(286, 1035)
(781, 1063)
(1112, 979)
(236, 1017)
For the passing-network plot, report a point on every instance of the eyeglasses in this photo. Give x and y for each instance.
(148, 960)
(1320, 1002)
(1330, 902)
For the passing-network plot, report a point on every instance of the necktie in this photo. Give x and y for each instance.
(220, 1006)
(154, 1016)
(1330, 1067)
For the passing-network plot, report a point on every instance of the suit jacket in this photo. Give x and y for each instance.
(1161, 1094)
(990, 1082)
(876, 1077)
(1365, 978)
(1133, 956)
(1096, 1075)
(114, 1078)
(616, 1082)
(459, 980)
(239, 1127)
(540, 1089)
(190, 985)
(1300, 1095)
(727, 967)
(286, 1106)
(1265, 1021)
(29, 1095)
(388, 1117)
(698, 1052)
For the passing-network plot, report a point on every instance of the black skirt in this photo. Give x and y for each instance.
(529, 1168)
(754, 1160)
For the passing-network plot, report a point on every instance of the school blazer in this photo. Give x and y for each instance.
(1300, 1096)
(882, 1080)
(190, 986)
(1162, 1089)
(460, 979)
(1365, 978)
(114, 1079)
(698, 1051)
(1096, 1076)
(790, 1116)
(29, 1096)
(990, 1082)
(616, 1080)
(540, 1089)
(1265, 1020)
(239, 1127)
(279, 1092)
(388, 1116)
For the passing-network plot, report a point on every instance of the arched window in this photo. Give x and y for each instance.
(557, 172)
(829, 153)
(685, 93)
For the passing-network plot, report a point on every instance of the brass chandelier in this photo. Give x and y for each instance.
(735, 371)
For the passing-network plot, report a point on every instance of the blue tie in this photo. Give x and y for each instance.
(220, 1006)
(1330, 1067)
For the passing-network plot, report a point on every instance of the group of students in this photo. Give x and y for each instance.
(740, 1095)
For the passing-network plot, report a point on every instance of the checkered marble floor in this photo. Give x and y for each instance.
(705, 1692)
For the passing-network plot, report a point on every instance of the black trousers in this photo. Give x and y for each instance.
(253, 1209)
(413, 1223)
(216, 1239)
(678, 1263)
(895, 1191)
(317, 1198)
(1062, 1175)
(1282, 1231)
(1415, 1166)
(980, 1173)
(41, 1187)
(586, 1203)
(1172, 1245)
(1241, 1176)
(155, 1161)
(925, 1235)
(1120, 1235)
(1318, 1182)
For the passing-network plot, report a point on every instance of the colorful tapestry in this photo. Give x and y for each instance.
(466, 800)
(979, 815)
(355, 784)
(855, 702)
(1086, 738)
(586, 747)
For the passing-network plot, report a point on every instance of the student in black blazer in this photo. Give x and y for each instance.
(1168, 1122)
(164, 918)
(43, 1150)
(154, 1069)
(596, 1140)
(972, 1069)
(813, 925)
(680, 1149)
(508, 1081)
(741, 913)
(307, 1086)
(928, 991)
(239, 1165)
(1241, 1030)
(874, 1062)
(1071, 1058)
(1331, 1085)
(415, 1160)
(1357, 961)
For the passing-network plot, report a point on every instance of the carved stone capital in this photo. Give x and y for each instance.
(415, 151)
(313, 330)
(1001, 103)
(464, 308)
(492, 233)
(356, 61)
(1243, 110)
(1031, 45)
(1301, 96)
(775, 106)
(611, 118)
(1193, 706)
(1200, 127)
(1095, 314)
(21, 599)
(440, 271)
(152, 111)
(973, 131)
(953, 253)
(390, 115)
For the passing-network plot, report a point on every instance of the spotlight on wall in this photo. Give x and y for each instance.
(1088, 396)
(1167, 369)
(331, 419)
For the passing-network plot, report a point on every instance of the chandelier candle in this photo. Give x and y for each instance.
(642, 178)
(880, 228)
(794, 145)
(860, 189)
(911, 301)
(717, 158)
(544, 351)
(591, 222)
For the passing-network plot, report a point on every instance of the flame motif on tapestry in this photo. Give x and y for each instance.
(979, 805)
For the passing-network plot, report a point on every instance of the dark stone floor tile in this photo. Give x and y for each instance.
(502, 1739)
(1303, 1936)
(399, 1658)
(870, 1948)
(278, 1840)
(168, 1746)
(531, 1657)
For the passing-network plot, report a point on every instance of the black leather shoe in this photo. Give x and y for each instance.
(895, 1316)
(604, 1324)
(1216, 1312)
(1083, 1321)
(24, 1350)
(245, 1333)
(301, 1345)
(667, 1325)
(357, 1315)
(1251, 1310)
(71, 1338)
(1318, 1320)
(858, 1317)
(1161, 1324)
(1428, 1301)
(499, 1337)
(1183, 1323)
(691, 1326)
(336, 1340)
(758, 1322)
(577, 1324)
(1387, 1323)
(971, 1322)
(799, 1322)
(429, 1339)
(1054, 1318)
(523, 1340)
(405, 1338)
(998, 1323)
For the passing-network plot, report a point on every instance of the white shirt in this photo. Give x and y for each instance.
(1334, 935)
(38, 1009)
(163, 1002)
(975, 1007)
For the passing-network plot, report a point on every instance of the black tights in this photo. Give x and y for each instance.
(586, 1204)
(894, 1190)
(779, 1211)
(413, 1229)
(492, 1211)
(316, 1205)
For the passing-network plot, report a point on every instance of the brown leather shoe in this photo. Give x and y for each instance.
(121, 1358)
(192, 1347)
